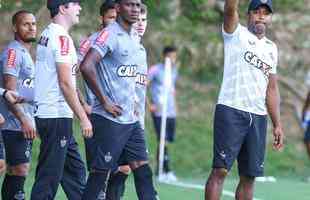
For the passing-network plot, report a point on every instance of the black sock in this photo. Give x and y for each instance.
(94, 184)
(13, 187)
(116, 186)
(144, 183)
(166, 161)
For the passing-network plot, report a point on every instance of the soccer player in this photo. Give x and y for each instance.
(156, 76)
(17, 72)
(116, 186)
(56, 101)
(248, 93)
(108, 15)
(109, 69)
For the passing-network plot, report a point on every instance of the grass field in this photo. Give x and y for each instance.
(192, 155)
(283, 189)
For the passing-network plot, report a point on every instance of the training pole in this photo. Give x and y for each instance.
(164, 102)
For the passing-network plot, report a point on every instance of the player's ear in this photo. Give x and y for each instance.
(62, 9)
(14, 28)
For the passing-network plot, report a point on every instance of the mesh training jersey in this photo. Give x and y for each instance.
(248, 62)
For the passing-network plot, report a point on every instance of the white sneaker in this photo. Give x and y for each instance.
(162, 177)
(171, 177)
(101, 195)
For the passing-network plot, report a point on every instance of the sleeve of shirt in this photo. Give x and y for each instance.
(231, 35)
(61, 49)
(105, 42)
(275, 61)
(83, 49)
(12, 62)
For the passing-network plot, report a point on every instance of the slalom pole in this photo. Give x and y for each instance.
(164, 101)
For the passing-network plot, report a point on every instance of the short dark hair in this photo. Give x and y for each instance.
(17, 14)
(169, 49)
(107, 5)
(55, 11)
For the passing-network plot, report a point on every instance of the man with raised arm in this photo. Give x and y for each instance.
(248, 93)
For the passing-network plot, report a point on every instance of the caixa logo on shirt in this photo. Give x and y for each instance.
(28, 83)
(141, 79)
(255, 61)
(127, 71)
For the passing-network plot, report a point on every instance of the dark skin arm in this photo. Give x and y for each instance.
(10, 83)
(273, 106)
(306, 106)
(231, 16)
(88, 70)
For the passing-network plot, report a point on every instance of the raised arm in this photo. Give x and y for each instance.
(273, 106)
(231, 16)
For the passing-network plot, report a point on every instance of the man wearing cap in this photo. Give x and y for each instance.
(56, 102)
(248, 93)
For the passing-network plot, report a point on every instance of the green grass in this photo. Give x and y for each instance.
(192, 153)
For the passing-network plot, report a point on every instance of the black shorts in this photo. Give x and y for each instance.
(307, 134)
(170, 128)
(239, 135)
(1, 148)
(17, 148)
(112, 141)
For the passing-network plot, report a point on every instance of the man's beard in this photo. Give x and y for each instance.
(30, 40)
(257, 29)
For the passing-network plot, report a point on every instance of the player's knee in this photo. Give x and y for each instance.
(247, 180)
(136, 164)
(143, 172)
(220, 173)
(19, 170)
(2, 167)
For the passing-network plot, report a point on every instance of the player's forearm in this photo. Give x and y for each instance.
(273, 103)
(88, 70)
(231, 7)
(72, 99)
(17, 111)
(10, 83)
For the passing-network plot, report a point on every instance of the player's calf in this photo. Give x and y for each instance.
(245, 188)
(143, 178)
(215, 183)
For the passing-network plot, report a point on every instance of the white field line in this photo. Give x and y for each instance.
(198, 187)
